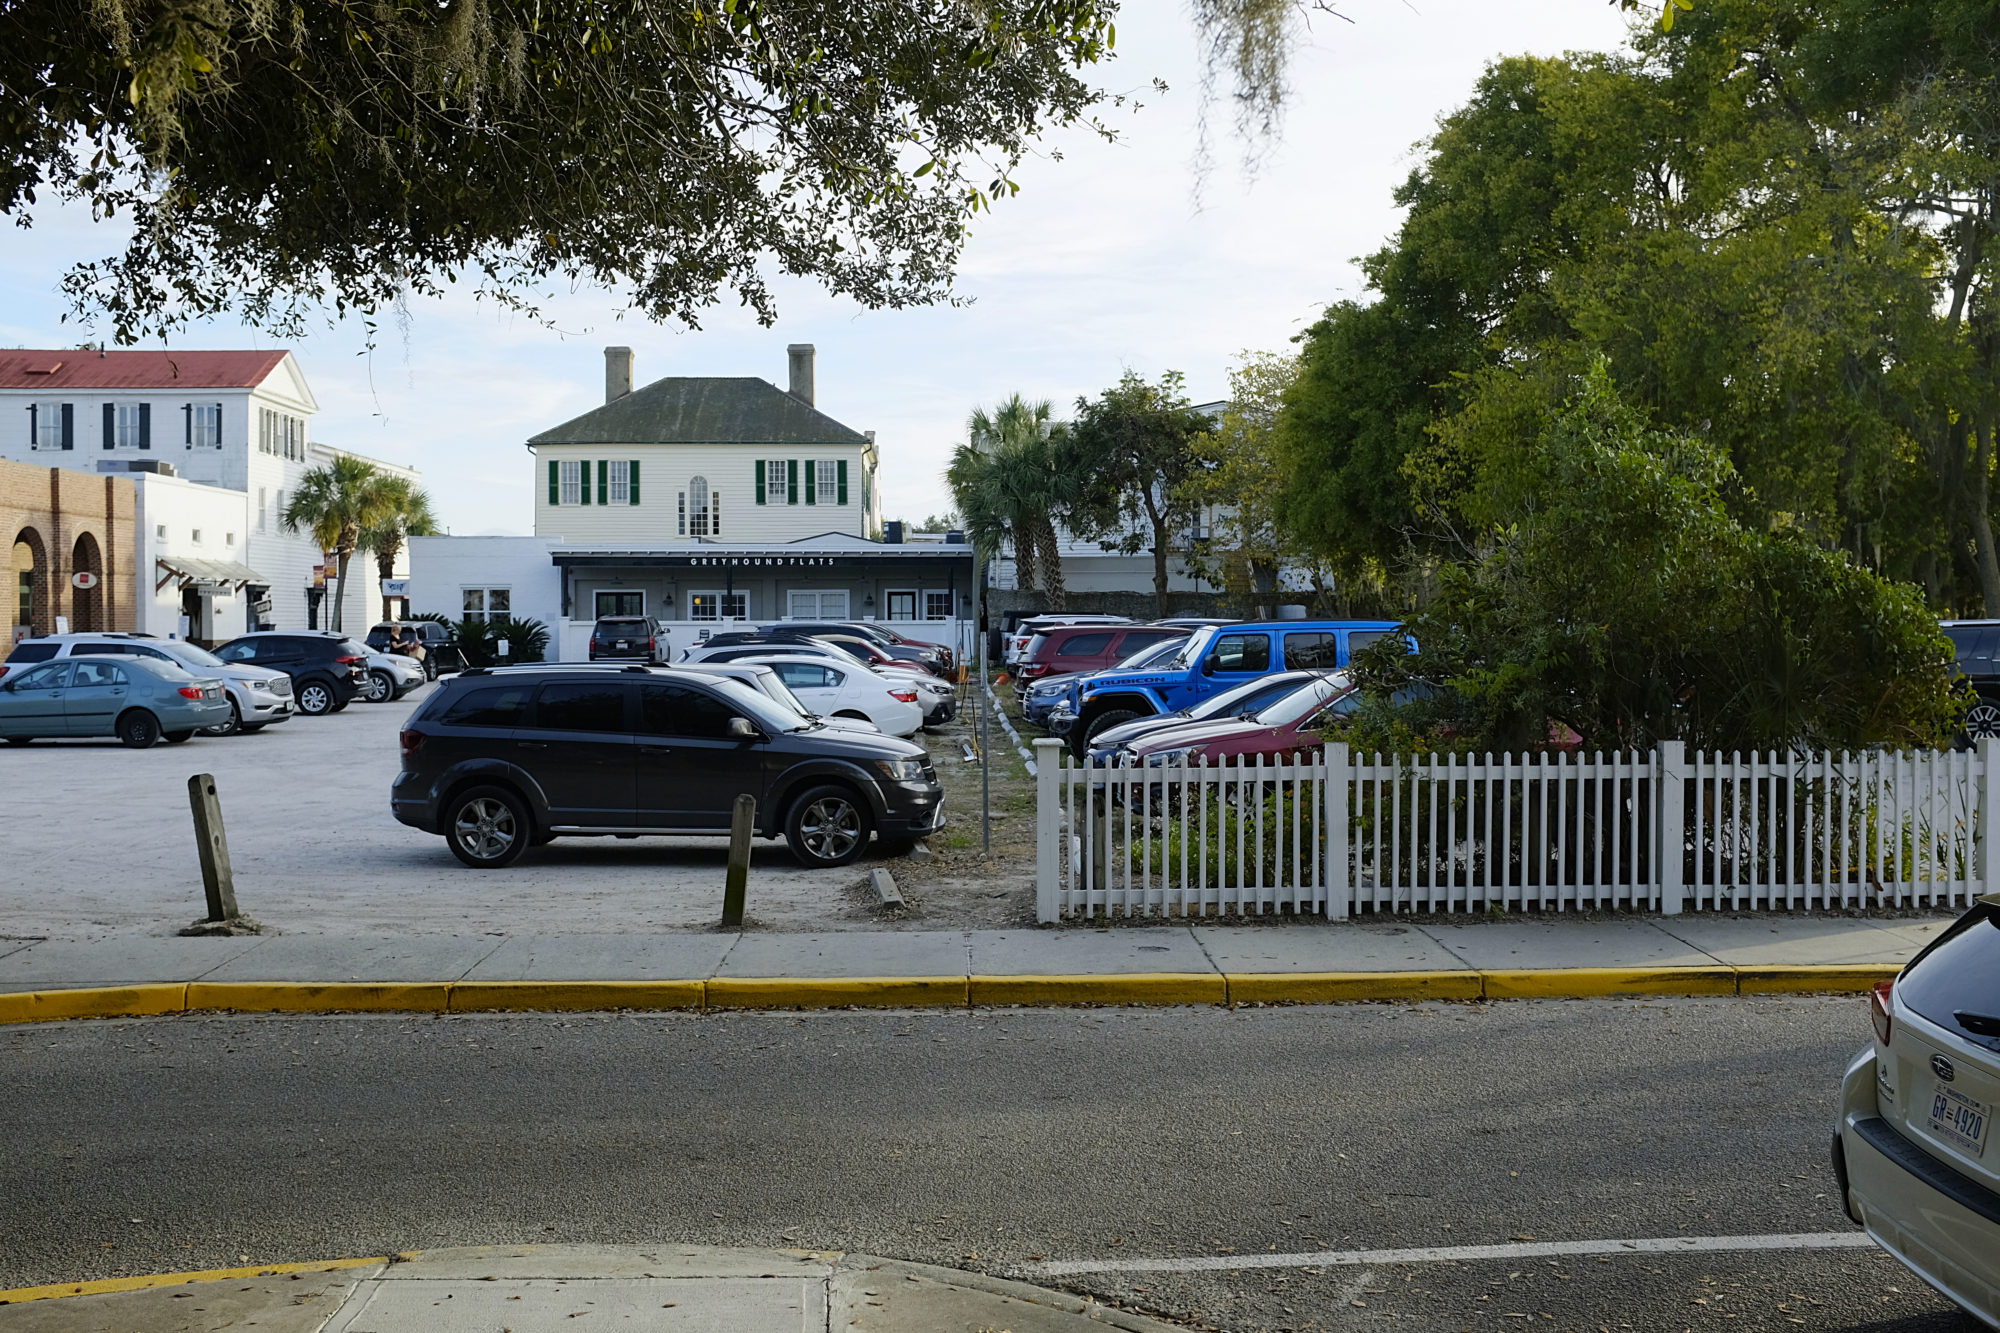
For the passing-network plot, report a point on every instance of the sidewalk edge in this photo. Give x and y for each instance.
(102, 1286)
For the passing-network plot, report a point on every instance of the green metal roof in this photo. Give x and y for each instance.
(703, 410)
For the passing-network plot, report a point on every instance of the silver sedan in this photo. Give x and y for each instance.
(137, 699)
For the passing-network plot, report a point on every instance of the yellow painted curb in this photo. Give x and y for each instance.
(1776, 979)
(45, 1006)
(835, 992)
(303, 997)
(1339, 987)
(1103, 988)
(530, 996)
(21, 1294)
(1587, 982)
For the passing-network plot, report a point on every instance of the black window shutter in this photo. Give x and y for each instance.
(187, 421)
(69, 425)
(110, 425)
(35, 431)
(145, 425)
(841, 469)
(757, 470)
(791, 481)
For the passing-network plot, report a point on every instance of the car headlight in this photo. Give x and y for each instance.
(1161, 758)
(902, 770)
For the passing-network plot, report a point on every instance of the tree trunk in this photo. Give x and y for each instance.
(1024, 561)
(333, 621)
(1051, 562)
(385, 565)
(1980, 516)
(1160, 564)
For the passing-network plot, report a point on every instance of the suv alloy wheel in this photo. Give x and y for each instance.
(316, 698)
(380, 688)
(827, 826)
(487, 827)
(1982, 719)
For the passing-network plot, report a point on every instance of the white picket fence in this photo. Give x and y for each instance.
(1341, 833)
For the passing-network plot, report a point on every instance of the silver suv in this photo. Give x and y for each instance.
(258, 696)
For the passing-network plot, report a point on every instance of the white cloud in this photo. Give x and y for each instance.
(1103, 262)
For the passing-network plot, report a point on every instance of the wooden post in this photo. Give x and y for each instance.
(217, 880)
(1988, 787)
(1339, 772)
(1670, 832)
(738, 883)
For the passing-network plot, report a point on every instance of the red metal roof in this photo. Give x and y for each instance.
(72, 369)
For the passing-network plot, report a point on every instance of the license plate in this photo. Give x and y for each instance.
(1959, 1120)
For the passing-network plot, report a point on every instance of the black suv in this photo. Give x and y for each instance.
(501, 759)
(327, 670)
(629, 639)
(1977, 643)
(441, 655)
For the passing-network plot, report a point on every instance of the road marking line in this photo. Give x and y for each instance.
(1813, 1240)
(60, 1289)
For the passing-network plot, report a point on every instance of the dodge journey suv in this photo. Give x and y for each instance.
(499, 760)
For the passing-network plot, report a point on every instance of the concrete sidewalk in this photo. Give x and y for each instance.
(1296, 963)
(538, 1289)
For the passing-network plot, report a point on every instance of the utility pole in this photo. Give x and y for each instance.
(984, 705)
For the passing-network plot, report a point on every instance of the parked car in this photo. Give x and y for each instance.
(932, 657)
(831, 690)
(939, 700)
(1218, 658)
(328, 671)
(1284, 728)
(501, 759)
(1052, 696)
(1026, 629)
(1977, 646)
(258, 696)
(441, 656)
(630, 639)
(766, 682)
(1244, 701)
(137, 699)
(1071, 649)
(390, 677)
(1916, 1116)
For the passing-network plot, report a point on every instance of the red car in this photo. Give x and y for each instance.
(1289, 727)
(1065, 650)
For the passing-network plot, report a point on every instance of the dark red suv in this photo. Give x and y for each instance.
(1064, 650)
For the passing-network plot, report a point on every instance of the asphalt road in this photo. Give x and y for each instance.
(992, 1140)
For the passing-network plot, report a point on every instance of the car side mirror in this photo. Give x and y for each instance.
(1207, 666)
(743, 729)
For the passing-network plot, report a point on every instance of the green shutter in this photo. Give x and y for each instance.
(791, 479)
(841, 468)
(757, 472)
(555, 486)
(632, 486)
(603, 481)
(812, 482)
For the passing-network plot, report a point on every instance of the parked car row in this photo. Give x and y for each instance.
(143, 689)
(845, 675)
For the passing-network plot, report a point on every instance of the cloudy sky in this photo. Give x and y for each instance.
(1106, 260)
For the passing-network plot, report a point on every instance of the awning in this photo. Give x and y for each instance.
(193, 569)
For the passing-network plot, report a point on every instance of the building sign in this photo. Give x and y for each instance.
(395, 587)
(758, 561)
(319, 576)
(84, 579)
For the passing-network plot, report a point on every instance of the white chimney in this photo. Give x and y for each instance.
(801, 355)
(617, 373)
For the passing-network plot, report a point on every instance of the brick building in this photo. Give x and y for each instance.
(63, 523)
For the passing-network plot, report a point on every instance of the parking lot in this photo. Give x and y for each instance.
(98, 840)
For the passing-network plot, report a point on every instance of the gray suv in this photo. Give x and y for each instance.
(501, 759)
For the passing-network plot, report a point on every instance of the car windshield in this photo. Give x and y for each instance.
(774, 685)
(761, 708)
(349, 648)
(1153, 654)
(1233, 701)
(1956, 983)
(192, 654)
(1298, 703)
(32, 652)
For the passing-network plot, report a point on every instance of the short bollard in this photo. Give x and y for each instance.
(738, 883)
(218, 880)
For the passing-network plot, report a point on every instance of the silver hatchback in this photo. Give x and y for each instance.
(139, 700)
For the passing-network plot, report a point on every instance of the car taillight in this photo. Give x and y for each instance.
(189, 692)
(350, 661)
(907, 696)
(652, 645)
(413, 741)
(1878, 1009)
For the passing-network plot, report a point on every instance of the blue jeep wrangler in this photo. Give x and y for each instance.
(1219, 657)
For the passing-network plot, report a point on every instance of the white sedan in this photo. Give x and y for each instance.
(937, 698)
(1917, 1112)
(833, 690)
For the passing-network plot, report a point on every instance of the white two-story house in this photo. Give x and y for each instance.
(700, 501)
(216, 442)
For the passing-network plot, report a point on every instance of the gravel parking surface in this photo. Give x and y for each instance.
(99, 841)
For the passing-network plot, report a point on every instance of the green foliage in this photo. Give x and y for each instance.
(1013, 479)
(479, 638)
(1615, 595)
(1137, 448)
(404, 512)
(338, 502)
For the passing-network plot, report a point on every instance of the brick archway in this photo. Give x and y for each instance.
(28, 584)
(86, 605)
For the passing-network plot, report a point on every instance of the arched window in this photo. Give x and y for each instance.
(698, 507)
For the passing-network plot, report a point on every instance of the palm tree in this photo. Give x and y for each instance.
(336, 503)
(408, 514)
(1011, 482)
